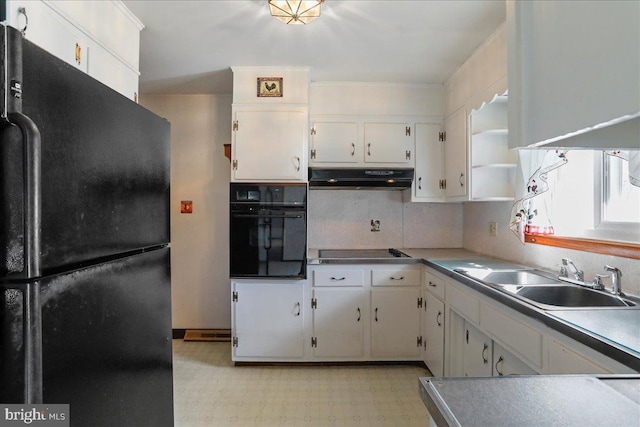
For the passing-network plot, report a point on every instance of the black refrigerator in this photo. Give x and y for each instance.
(85, 289)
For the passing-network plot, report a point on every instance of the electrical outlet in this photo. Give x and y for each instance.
(493, 228)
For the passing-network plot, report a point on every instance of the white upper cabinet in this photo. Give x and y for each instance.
(455, 155)
(388, 143)
(369, 124)
(335, 142)
(574, 73)
(107, 48)
(427, 185)
(477, 162)
(493, 165)
(268, 145)
(270, 124)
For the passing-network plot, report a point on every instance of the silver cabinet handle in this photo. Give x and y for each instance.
(438, 318)
(376, 314)
(420, 183)
(484, 350)
(500, 360)
(334, 279)
(23, 11)
(407, 155)
(353, 149)
(298, 163)
(359, 314)
(369, 149)
(461, 180)
(397, 278)
(433, 285)
(298, 306)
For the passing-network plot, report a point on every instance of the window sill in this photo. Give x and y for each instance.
(620, 249)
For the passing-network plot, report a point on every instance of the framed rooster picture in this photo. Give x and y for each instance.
(269, 86)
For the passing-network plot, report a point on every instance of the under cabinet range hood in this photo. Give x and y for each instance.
(360, 178)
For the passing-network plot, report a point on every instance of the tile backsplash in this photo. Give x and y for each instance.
(341, 219)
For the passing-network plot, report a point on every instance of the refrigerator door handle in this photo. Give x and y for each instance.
(32, 316)
(32, 182)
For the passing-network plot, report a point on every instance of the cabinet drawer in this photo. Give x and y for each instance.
(526, 341)
(434, 284)
(338, 277)
(395, 277)
(467, 305)
(565, 361)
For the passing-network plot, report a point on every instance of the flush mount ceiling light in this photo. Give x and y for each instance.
(295, 11)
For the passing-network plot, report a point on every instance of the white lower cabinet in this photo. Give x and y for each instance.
(433, 334)
(505, 363)
(364, 312)
(477, 351)
(383, 313)
(268, 320)
(484, 337)
(395, 322)
(338, 322)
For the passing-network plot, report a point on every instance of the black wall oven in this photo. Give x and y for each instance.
(268, 225)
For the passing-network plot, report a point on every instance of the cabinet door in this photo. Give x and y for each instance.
(112, 72)
(268, 320)
(561, 85)
(455, 154)
(433, 337)
(477, 353)
(428, 153)
(338, 322)
(562, 360)
(335, 142)
(395, 322)
(50, 31)
(505, 363)
(388, 143)
(269, 145)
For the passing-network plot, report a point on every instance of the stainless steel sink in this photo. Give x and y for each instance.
(545, 291)
(571, 296)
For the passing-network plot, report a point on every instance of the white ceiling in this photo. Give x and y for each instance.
(187, 47)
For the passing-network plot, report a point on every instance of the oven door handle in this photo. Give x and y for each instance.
(265, 216)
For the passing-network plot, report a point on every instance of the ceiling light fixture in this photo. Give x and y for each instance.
(295, 11)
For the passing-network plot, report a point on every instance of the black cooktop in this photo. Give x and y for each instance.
(361, 253)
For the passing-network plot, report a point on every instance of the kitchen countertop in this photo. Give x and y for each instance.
(566, 400)
(613, 332)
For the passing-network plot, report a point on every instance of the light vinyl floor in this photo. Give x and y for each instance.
(210, 391)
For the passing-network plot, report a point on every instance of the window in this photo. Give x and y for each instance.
(591, 197)
(621, 199)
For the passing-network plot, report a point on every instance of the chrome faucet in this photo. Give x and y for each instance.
(577, 274)
(616, 279)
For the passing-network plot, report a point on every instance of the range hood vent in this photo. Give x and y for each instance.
(360, 178)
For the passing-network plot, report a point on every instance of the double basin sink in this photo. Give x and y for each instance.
(544, 291)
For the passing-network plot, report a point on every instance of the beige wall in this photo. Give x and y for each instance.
(507, 246)
(200, 125)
